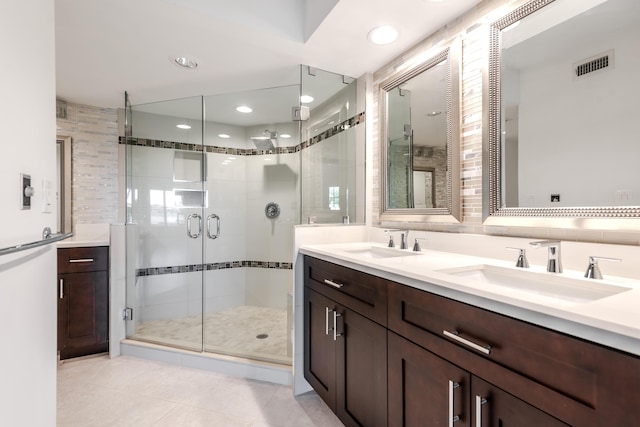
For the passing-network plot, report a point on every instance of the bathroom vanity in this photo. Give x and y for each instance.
(404, 339)
(83, 301)
(83, 292)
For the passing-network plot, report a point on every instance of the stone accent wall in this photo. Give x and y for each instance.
(94, 186)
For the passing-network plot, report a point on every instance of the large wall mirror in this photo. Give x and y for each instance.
(563, 144)
(419, 122)
(63, 183)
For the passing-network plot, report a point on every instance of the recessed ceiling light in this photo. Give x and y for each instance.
(183, 126)
(434, 113)
(306, 99)
(184, 62)
(384, 34)
(285, 135)
(244, 109)
(223, 135)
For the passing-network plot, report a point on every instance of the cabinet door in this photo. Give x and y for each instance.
(319, 346)
(425, 390)
(493, 407)
(361, 370)
(84, 313)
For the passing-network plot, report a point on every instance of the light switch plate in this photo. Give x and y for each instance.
(25, 182)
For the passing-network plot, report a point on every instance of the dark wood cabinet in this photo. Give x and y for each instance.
(447, 363)
(83, 301)
(572, 380)
(492, 407)
(345, 352)
(425, 389)
(320, 349)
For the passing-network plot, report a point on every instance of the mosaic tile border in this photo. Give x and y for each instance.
(174, 269)
(157, 143)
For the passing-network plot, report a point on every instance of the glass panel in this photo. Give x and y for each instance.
(166, 199)
(333, 154)
(253, 161)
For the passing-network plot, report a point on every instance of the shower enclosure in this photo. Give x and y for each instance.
(213, 267)
(213, 196)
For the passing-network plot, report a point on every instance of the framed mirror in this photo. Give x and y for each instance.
(63, 183)
(419, 134)
(562, 145)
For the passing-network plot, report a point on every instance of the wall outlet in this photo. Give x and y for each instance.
(624, 195)
(555, 198)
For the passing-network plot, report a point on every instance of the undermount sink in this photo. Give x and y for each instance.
(538, 286)
(378, 252)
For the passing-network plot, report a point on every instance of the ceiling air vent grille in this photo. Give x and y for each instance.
(600, 62)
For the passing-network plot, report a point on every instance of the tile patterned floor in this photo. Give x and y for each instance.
(231, 331)
(127, 391)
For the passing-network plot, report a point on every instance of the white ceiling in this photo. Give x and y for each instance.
(107, 47)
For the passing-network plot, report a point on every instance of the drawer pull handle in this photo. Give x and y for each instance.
(333, 284)
(486, 349)
(61, 288)
(479, 402)
(81, 260)
(452, 418)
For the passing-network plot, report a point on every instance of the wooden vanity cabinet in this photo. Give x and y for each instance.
(555, 378)
(83, 301)
(441, 362)
(345, 357)
(425, 389)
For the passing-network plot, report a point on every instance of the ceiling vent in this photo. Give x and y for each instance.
(598, 63)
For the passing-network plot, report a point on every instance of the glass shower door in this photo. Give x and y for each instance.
(166, 223)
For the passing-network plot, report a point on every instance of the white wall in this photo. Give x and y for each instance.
(28, 279)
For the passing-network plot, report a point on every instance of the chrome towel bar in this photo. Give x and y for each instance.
(23, 247)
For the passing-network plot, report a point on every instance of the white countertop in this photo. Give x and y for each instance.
(613, 320)
(87, 235)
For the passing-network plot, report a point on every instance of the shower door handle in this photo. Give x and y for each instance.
(209, 218)
(189, 233)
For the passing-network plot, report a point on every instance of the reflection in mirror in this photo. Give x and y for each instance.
(63, 183)
(562, 139)
(420, 144)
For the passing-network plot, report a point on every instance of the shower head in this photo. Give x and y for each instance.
(262, 143)
(265, 142)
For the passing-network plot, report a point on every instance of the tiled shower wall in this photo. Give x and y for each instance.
(94, 134)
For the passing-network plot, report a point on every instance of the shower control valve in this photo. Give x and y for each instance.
(272, 210)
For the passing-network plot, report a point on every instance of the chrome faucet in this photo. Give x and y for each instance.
(403, 238)
(554, 264)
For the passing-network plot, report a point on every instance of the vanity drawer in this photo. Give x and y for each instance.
(361, 292)
(590, 378)
(84, 259)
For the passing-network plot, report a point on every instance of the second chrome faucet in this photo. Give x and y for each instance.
(554, 263)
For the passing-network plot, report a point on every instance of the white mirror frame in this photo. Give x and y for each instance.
(450, 213)
(595, 218)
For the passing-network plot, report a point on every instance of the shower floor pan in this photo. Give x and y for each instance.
(239, 331)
